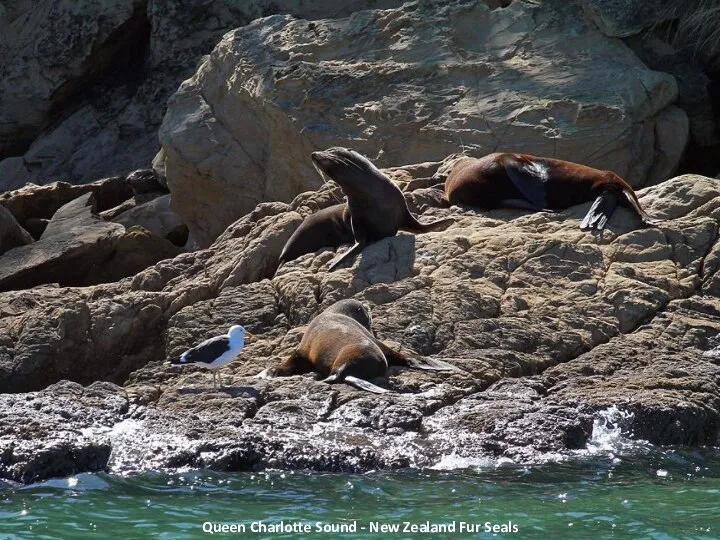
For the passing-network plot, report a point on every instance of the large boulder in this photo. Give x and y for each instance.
(552, 328)
(406, 85)
(156, 216)
(100, 74)
(51, 51)
(74, 242)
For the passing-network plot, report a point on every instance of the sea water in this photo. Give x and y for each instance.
(616, 488)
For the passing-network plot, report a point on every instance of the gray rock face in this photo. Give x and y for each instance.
(11, 233)
(74, 241)
(34, 202)
(156, 216)
(550, 325)
(49, 48)
(95, 77)
(405, 85)
(624, 18)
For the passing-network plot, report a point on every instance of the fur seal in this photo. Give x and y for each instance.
(539, 183)
(339, 345)
(329, 227)
(377, 207)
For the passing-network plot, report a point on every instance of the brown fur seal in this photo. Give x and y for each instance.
(329, 227)
(339, 345)
(377, 206)
(539, 183)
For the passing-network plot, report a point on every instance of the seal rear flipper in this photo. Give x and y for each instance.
(430, 364)
(414, 226)
(600, 211)
(632, 198)
(356, 248)
(395, 358)
(357, 382)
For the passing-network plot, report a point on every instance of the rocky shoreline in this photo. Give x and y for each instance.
(550, 325)
(102, 283)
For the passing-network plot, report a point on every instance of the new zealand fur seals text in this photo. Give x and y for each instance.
(539, 183)
(376, 208)
(339, 345)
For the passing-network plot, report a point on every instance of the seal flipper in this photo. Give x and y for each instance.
(528, 178)
(357, 382)
(632, 198)
(295, 364)
(600, 211)
(356, 248)
(395, 358)
(414, 226)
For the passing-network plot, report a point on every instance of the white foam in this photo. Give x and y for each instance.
(454, 461)
(608, 436)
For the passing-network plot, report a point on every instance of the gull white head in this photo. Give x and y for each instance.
(237, 334)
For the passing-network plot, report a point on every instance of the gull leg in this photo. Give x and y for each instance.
(214, 382)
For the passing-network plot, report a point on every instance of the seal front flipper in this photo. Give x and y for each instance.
(529, 177)
(356, 248)
(600, 211)
(357, 382)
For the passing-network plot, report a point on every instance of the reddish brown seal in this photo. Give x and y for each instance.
(376, 208)
(339, 345)
(539, 183)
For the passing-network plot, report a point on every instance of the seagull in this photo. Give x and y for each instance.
(215, 352)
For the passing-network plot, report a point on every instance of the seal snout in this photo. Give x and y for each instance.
(321, 159)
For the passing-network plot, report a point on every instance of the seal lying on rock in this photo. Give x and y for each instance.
(339, 345)
(539, 183)
(376, 208)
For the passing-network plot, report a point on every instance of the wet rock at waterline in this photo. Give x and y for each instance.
(549, 324)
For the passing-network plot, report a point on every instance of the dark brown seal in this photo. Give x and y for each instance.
(377, 207)
(339, 345)
(329, 227)
(539, 183)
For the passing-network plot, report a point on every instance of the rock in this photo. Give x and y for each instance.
(11, 233)
(555, 330)
(693, 93)
(41, 433)
(157, 217)
(546, 84)
(56, 50)
(41, 202)
(97, 111)
(146, 181)
(624, 18)
(75, 240)
(137, 249)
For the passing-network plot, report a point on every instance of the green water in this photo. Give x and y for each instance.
(659, 494)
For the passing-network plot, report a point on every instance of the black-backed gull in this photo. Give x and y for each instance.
(215, 352)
